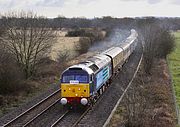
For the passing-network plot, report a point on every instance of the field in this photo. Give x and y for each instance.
(65, 44)
(174, 64)
(71, 46)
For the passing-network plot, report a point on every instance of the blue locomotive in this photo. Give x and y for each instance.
(85, 82)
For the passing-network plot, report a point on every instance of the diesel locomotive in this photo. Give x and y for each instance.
(85, 82)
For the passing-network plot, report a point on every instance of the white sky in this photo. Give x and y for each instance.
(95, 8)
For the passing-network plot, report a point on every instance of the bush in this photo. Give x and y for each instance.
(83, 46)
(45, 68)
(166, 44)
(76, 33)
(93, 34)
(63, 56)
(10, 74)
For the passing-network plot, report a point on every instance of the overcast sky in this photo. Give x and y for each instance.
(95, 8)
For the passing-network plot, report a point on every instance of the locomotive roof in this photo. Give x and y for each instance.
(84, 66)
(100, 60)
(93, 64)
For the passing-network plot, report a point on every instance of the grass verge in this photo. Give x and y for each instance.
(174, 65)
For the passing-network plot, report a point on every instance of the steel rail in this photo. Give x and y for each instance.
(81, 117)
(31, 108)
(38, 115)
(60, 118)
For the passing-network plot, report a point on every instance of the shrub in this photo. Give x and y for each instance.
(10, 74)
(63, 56)
(76, 33)
(166, 44)
(83, 46)
(93, 34)
(46, 68)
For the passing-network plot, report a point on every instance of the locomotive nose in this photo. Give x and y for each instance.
(84, 101)
(63, 101)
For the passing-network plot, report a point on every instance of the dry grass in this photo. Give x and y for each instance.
(67, 44)
(64, 43)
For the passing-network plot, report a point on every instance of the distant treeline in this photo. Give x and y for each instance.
(104, 22)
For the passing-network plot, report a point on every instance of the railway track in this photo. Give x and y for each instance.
(101, 111)
(70, 118)
(80, 118)
(74, 119)
(60, 118)
(65, 118)
(28, 116)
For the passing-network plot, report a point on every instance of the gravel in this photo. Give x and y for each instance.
(49, 117)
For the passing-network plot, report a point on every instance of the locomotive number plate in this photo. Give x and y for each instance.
(74, 82)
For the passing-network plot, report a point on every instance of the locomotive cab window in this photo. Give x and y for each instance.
(79, 76)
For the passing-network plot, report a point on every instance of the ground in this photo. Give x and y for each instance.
(11, 101)
(152, 103)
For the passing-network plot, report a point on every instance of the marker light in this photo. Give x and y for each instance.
(63, 101)
(84, 101)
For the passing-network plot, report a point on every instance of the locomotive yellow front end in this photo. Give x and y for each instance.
(75, 90)
(75, 87)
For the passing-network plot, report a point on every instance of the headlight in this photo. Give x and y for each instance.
(84, 101)
(63, 101)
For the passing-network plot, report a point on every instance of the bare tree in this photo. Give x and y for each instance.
(149, 35)
(150, 32)
(158, 42)
(63, 56)
(28, 38)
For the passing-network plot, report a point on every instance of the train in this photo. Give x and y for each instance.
(83, 83)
